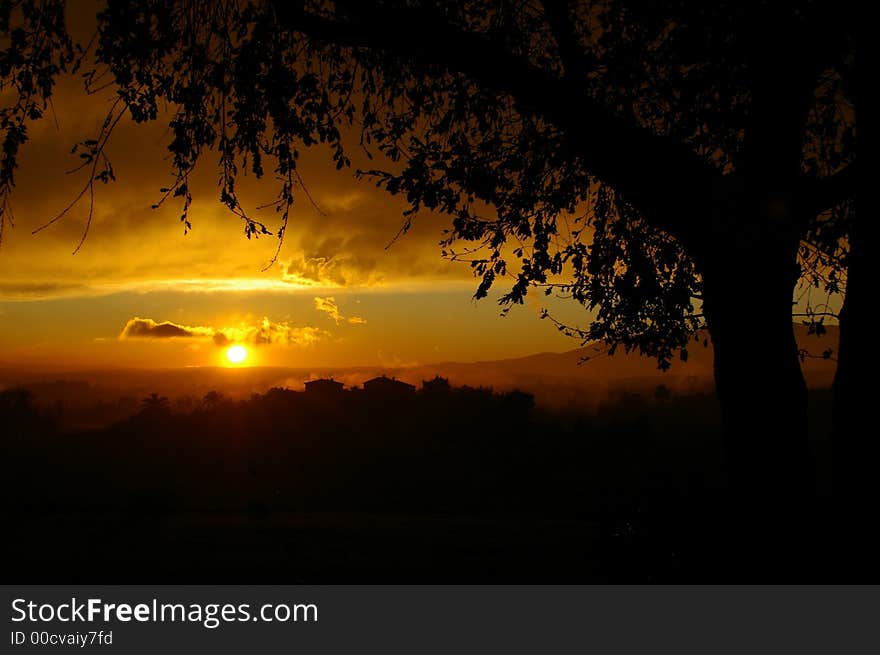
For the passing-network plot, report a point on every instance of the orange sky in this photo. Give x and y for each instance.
(338, 295)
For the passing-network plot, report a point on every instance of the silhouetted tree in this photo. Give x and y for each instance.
(663, 164)
(16, 411)
(438, 386)
(212, 400)
(15, 401)
(155, 405)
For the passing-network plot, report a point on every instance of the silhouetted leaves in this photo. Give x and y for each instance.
(255, 83)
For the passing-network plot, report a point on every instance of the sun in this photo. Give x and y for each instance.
(236, 354)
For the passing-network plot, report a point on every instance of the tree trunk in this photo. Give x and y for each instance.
(763, 396)
(759, 383)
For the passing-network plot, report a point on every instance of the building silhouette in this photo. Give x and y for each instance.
(324, 388)
(384, 387)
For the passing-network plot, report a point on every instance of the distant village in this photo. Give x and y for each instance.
(384, 390)
(380, 386)
(76, 405)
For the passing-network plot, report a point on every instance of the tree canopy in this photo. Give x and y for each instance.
(591, 149)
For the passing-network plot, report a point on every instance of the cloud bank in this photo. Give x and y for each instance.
(147, 328)
(259, 334)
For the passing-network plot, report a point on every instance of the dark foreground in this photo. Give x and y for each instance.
(463, 486)
(387, 549)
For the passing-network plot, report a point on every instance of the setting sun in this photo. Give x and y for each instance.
(236, 354)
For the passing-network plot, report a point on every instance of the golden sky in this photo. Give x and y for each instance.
(339, 294)
(140, 293)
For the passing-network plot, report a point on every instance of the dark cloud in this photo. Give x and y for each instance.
(39, 290)
(262, 333)
(333, 271)
(147, 328)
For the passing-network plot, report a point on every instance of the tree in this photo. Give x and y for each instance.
(669, 166)
(212, 401)
(155, 406)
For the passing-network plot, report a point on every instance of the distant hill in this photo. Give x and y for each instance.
(564, 377)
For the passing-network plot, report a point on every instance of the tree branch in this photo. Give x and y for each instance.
(664, 179)
(787, 56)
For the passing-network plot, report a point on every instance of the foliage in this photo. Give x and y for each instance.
(573, 147)
(36, 49)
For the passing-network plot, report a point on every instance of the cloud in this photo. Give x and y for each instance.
(341, 202)
(262, 333)
(332, 271)
(147, 328)
(328, 306)
(267, 332)
(38, 290)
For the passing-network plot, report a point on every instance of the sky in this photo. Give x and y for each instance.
(140, 293)
(344, 290)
